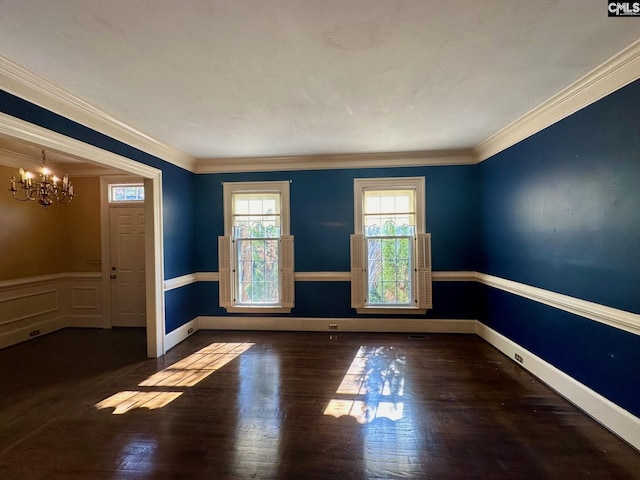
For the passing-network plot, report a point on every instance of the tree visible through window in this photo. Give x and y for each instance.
(389, 232)
(256, 233)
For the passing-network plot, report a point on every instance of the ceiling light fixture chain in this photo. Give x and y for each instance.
(46, 191)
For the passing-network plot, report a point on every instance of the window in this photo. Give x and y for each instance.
(256, 251)
(390, 251)
(126, 192)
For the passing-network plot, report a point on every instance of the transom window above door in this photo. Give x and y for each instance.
(126, 192)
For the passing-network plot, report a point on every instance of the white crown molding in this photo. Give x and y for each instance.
(613, 317)
(86, 170)
(42, 92)
(38, 90)
(615, 418)
(620, 70)
(21, 160)
(28, 132)
(337, 161)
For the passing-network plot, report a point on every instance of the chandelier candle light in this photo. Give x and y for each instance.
(46, 191)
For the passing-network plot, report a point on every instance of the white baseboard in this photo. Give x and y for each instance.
(607, 413)
(303, 324)
(22, 334)
(173, 338)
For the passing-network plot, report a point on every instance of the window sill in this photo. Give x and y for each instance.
(261, 309)
(391, 311)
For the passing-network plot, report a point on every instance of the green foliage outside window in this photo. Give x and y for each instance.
(389, 258)
(258, 267)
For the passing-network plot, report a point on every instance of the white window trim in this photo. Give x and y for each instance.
(360, 185)
(231, 188)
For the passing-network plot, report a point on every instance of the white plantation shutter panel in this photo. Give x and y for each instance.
(286, 264)
(357, 271)
(224, 271)
(423, 277)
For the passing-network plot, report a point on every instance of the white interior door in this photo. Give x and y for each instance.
(126, 238)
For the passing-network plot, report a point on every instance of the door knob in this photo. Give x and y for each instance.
(113, 275)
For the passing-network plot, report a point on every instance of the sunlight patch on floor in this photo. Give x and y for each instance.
(197, 366)
(185, 373)
(372, 388)
(122, 402)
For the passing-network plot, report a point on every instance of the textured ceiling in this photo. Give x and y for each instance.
(305, 77)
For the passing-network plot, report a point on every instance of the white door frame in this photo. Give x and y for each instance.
(154, 247)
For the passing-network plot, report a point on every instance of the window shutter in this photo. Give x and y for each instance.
(357, 271)
(423, 277)
(224, 271)
(287, 267)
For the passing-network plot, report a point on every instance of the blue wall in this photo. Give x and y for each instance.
(561, 211)
(322, 221)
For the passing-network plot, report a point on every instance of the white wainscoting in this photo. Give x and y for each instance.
(34, 306)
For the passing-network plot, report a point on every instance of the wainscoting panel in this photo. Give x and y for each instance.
(27, 305)
(34, 306)
(85, 301)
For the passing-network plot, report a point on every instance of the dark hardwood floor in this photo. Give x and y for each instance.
(87, 404)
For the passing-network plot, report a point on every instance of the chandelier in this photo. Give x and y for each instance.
(46, 191)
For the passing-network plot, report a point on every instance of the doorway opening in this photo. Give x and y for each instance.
(153, 243)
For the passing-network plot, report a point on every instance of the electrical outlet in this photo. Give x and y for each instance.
(34, 333)
(190, 331)
(519, 358)
(333, 326)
